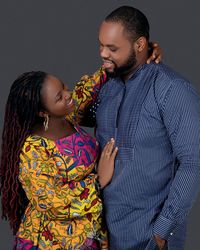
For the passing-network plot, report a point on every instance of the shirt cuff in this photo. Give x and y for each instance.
(164, 227)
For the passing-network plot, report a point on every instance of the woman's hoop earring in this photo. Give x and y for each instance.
(46, 123)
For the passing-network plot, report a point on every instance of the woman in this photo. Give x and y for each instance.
(48, 184)
(56, 160)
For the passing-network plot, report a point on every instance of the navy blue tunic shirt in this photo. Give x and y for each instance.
(155, 120)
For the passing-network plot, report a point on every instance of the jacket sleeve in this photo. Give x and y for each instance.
(181, 116)
(85, 93)
(44, 179)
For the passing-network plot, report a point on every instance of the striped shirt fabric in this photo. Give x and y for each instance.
(155, 120)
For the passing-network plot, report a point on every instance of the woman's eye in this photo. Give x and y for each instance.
(59, 98)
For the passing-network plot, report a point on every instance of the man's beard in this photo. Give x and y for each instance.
(124, 69)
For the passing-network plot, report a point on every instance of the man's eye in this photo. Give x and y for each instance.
(113, 49)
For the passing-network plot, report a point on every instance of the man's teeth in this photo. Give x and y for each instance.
(108, 62)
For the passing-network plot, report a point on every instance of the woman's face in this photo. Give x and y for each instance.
(56, 97)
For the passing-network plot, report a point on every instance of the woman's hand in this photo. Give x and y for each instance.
(155, 53)
(106, 163)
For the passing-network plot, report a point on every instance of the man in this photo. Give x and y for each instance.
(154, 116)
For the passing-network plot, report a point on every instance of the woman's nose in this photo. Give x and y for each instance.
(67, 94)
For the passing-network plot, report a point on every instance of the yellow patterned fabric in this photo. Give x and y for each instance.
(65, 211)
(85, 92)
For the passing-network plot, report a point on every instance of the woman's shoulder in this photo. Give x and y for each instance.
(39, 141)
(36, 146)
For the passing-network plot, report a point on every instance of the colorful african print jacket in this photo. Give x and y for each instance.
(58, 177)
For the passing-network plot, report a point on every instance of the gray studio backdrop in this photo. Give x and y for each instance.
(61, 37)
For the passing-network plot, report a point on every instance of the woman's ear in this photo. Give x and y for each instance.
(43, 114)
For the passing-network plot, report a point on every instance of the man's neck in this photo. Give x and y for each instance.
(140, 62)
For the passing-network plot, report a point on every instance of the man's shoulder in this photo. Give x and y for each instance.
(166, 78)
(167, 81)
(166, 75)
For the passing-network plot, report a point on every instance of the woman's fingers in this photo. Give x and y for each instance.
(106, 163)
(159, 58)
(109, 147)
(114, 153)
(105, 149)
(156, 54)
(110, 150)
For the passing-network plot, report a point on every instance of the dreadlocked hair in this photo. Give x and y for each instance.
(21, 114)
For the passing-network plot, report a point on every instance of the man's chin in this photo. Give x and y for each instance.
(110, 73)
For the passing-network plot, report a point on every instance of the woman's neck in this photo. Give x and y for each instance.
(57, 128)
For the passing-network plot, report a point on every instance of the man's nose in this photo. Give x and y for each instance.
(104, 52)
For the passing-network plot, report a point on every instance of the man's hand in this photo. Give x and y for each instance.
(160, 242)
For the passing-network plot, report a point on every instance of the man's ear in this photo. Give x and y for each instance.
(141, 44)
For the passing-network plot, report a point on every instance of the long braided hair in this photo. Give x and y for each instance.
(21, 114)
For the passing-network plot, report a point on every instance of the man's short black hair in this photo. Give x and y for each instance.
(133, 20)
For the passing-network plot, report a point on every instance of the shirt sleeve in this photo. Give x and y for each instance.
(85, 93)
(181, 116)
(45, 183)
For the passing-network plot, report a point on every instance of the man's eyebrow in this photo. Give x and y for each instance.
(109, 45)
(106, 44)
